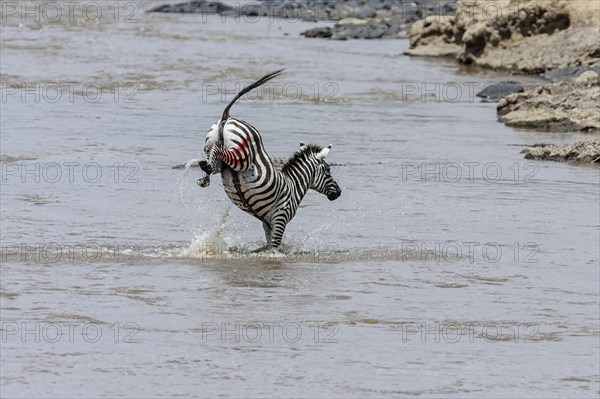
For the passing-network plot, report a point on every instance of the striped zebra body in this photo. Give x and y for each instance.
(249, 177)
(235, 149)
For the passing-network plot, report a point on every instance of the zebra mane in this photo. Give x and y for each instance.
(299, 156)
(246, 89)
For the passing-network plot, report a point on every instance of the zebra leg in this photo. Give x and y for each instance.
(205, 181)
(267, 229)
(277, 230)
(205, 167)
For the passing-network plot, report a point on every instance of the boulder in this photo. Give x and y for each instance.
(193, 7)
(434, 36)
(324, 32)
(496, 91)
(356, 28)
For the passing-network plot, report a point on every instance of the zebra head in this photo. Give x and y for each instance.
(322, 181)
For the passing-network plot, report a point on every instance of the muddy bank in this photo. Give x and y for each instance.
(584, 152)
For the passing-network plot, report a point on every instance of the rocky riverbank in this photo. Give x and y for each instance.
(555, 38)
(580, 152)
(354, 19)
(572, 105)
(381, 19)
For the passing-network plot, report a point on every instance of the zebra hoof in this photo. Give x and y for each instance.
(264, 248)
(203, 182)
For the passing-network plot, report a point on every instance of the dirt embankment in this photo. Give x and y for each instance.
(527, 36)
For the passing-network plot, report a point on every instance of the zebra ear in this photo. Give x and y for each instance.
(324, 152)
(302, 145)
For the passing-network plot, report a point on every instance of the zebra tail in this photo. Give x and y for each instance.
(246, 89)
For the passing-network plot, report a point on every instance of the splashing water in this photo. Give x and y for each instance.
(210, 242)
(181, 181)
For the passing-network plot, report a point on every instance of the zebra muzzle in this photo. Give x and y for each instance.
(333, 195)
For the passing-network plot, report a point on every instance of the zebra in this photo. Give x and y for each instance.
(234, 149)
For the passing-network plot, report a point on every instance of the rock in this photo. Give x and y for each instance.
(432, 28)
(510, 25)
(355, 28)
(572, 105)
(581, 152)
(193, 7)
(587, 76)
(433, 36)
(540, 53)
(560, 74)
(318, 32)
(364, 12)
(499, 90)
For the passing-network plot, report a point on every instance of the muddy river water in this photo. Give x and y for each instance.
(450, 266)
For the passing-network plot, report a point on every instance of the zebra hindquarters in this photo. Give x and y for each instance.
(240, 144)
